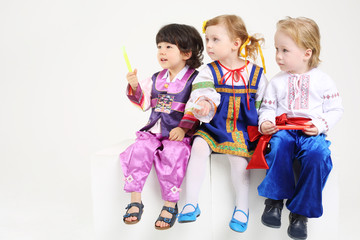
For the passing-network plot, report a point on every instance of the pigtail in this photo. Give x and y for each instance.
(252, 47)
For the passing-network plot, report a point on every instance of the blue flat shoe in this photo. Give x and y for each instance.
(191, 216)
(236, 225)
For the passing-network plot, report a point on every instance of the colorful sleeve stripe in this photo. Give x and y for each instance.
(136, 98)
(188, 120)
(258, 104)
(203, 85)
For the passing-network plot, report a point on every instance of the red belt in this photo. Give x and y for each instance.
(283, 123)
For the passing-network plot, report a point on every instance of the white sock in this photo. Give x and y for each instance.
(196, 170)
(241, 179)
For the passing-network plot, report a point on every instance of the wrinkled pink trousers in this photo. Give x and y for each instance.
(170, 160)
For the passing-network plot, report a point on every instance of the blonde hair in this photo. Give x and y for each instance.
(306, 34)
(236, 28)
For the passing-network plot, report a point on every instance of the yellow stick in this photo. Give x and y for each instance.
(127, 60)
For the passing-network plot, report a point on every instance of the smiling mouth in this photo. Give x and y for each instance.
(163, 59)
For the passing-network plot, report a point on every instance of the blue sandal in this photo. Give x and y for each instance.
(236, 225)
(140, 206)
(170, 221)
(191, 216)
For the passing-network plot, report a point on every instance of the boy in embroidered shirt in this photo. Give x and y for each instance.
(165, 140)
(300, 93)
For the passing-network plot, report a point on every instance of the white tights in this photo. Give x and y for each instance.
(195, 176)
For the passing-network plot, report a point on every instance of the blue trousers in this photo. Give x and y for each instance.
(313, 153)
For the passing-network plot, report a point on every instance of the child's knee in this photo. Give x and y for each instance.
(280, 140)
(317, 157)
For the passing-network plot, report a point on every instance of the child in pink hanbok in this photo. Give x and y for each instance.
(165, 140)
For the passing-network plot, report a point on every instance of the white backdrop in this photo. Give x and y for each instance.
(62, 83)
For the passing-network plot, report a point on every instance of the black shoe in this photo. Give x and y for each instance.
(297, 228)
(272, 213)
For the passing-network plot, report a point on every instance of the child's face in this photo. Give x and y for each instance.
(219, 46)
(289, 56)
(170, 57)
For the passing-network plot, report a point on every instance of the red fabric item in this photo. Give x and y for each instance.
(258, 160)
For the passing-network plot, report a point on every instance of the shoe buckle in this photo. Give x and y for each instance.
(167, 220)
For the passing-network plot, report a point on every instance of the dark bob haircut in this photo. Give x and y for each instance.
(186, 38)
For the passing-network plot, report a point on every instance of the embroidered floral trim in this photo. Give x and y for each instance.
(258, 104)
(298, 97)
(270, 102)
(305, 92)
(325, 123)
(334, 95)
(174, 189)
(202, 85)
(129, 179)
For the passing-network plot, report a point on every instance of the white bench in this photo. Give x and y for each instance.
(216, 204)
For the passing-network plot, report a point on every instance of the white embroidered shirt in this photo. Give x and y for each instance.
(310, 95)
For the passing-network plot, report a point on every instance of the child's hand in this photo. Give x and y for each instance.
(311, 130)
(132, 79)
(268, 128)
(205, 108)
(177, 134)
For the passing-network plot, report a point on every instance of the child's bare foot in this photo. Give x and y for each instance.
(165, 215)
